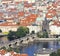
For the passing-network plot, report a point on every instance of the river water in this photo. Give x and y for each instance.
(32, 48)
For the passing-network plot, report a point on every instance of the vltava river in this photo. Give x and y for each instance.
(32, 48)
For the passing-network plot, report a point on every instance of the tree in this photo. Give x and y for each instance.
(3, 48)
(18, 23)
(45, 34)
(17, 50)
(33, 32)
(10, 49)
(58, 52)
(40, 35)
(22, 31)
(0, 31)
(53, 54)
(12, 35)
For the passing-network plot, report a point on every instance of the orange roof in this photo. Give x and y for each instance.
(16, 55)
(24, 54)
(1, 14)
(12, 9)
(20, 54)
(48, 16)
(28, 20)
(57, 23)
(53, 12)
(17, 2)
(28, 5)
(3, 52)
(21, 13)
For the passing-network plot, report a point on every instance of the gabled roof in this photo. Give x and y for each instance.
(51, 13)
(21, 13)
(56, 23)
(28, 20)
(48, 15)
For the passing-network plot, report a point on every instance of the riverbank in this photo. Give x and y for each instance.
(26, 41)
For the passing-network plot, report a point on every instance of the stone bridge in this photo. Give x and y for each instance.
(27, 40)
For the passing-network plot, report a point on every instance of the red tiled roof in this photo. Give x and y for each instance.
(28, 20)
(1, 14)
(3, 52)
(16, 55)
(48, 16)
(57, 23)
(21, 13)
(24, 54)
(53, 12)
(24, 22)
(11, 9)
(28, 5)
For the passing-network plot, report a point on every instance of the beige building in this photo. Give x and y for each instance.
(14, 28)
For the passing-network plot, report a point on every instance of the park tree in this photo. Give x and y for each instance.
(26, 30)
(58, 52)
(40, 34)
(0, 31)
(12, 35)
(45, 34)
(10, 49)
(33, 32)
(3, 48)
(17, 50)
(22, 31)
(53, 54)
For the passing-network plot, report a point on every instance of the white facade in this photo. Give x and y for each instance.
(34, 28)
(54, 29)
(14, 28)
(42, 55)
(8, 28)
